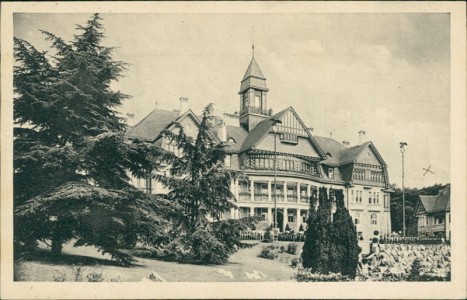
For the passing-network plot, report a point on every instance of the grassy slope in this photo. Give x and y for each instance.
(42, 268)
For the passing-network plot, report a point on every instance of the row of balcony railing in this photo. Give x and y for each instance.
(256, 110)
(263, 197)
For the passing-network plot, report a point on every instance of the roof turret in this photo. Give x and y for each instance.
(253, 77)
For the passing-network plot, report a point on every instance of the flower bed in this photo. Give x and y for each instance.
(394, 262)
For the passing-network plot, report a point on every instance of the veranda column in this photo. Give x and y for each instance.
(308, 194)
(270, 219)
(299, 191)
(285, 218)
(297, 220)
(252, 190)
(285, 191)
(269, 191)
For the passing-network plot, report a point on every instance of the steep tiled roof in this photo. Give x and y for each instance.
(149, 128)
(253, 78)
(340, 155)
(238, 134)
(332, 147)
(253, 71)
(350, 154)
(428, 202)
(260, 131)
(438, 203)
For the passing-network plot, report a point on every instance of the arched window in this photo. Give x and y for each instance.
(374, 219)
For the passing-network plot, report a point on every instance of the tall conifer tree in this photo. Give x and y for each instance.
(331, 238)
(71, 158)
(200, 185)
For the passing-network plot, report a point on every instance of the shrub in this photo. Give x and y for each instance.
(268, 236)
(266, 252)
(59, 276)
(95, 276)
(229, 231)
(144, 252)
(77, 274)
(292, 248)
(282, 249)
(306, 275)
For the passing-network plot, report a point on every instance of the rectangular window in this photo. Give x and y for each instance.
(357, 218)
(331, 173)
(227, 160)
(291, 219)
(369, 197)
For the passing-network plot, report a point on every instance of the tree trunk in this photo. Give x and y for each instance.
(56, 247)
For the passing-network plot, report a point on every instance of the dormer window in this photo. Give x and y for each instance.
(331, 173)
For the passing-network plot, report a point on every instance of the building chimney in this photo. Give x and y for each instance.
(183, 104)
(346, 143)
(221, 130)
(361, 137)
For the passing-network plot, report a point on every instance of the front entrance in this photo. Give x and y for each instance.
(280, 219)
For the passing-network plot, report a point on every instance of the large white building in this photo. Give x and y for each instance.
(304, 162)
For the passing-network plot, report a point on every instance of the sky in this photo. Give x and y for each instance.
(386, 74)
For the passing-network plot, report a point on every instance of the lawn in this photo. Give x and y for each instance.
(82, 263)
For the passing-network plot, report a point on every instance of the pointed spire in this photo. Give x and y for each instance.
(253, 44)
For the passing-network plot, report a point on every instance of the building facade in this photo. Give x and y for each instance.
(434, 214)
(284, 162)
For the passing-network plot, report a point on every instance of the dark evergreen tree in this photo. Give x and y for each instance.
(71, 158)
(311, 233)
(345, 237)
(330, 239)
(200, 185)
(318, 248)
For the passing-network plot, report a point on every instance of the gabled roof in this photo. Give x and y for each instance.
(438, 203)
(150, 127)
(265, 126)
(340, 155)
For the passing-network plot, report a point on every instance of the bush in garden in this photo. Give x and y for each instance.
(229, 232)
(292, 248)
(268, 236)
(266, 252)
(95, 277)
(415, 271)
(201, 247)
(306, 275)
(282, 249)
